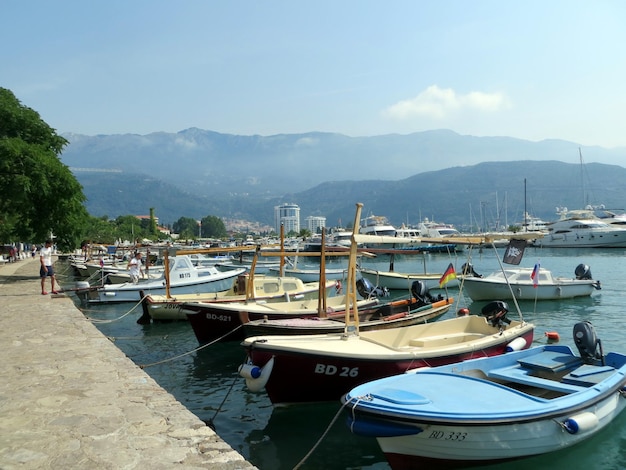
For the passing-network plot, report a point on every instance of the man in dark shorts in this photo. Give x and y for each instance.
(46, 270)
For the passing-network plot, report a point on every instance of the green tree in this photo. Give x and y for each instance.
(101, 230)
(39, 195)
(187, 228)
(213, 227)
(131, 228)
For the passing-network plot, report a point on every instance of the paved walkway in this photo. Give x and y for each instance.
(69, 399)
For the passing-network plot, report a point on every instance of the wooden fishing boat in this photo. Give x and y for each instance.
(306, 368)
(266, 288)
(395, 314)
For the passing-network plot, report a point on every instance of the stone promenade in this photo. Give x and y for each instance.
(69, 399)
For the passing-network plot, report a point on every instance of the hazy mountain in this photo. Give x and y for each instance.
(196, 173)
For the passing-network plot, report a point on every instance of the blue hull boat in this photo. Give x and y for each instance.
(493, 409)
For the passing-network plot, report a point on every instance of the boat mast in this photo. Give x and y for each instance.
(525, 210)
(582, 179)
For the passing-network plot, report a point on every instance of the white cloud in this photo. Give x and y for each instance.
(307, 142)
(185, 143)
(440, 103)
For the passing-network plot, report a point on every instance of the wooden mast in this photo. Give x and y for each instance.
(352, 313)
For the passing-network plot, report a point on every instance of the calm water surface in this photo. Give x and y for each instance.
(207, 383)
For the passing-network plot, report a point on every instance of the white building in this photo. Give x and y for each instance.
(315, 223)
(287, 215)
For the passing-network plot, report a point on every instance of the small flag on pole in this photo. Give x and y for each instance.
(535, 275)
(448, 275)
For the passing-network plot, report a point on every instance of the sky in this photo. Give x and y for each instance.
(533, 69)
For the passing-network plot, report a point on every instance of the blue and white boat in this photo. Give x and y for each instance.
(183, 277)
(494, 409)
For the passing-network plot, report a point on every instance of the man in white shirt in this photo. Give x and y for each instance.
(135, 266)
(46, 270)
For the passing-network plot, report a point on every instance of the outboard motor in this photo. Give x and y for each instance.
(588, 344)
(495, 313)
(421, 293)
(582, 271)
(468, 270)
(367, 290)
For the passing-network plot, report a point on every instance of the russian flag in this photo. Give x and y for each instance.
(535, 275)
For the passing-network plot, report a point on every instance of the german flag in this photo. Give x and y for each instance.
(448, 275)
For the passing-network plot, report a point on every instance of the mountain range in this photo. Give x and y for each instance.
(464, 180)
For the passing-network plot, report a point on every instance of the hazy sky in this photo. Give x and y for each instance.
(535, 70)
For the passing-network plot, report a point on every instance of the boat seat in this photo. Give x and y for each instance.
(444, 340)
(519, 375)
(588, 375)
(550, 361)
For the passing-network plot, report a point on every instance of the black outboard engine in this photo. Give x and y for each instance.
(367, 290)
(495, 313)
(421, 293)
(588, 344)
(468, 270)
(582, 271)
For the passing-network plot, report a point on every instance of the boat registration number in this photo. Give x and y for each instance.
(329, 369)
(447, 435)
(213, 316)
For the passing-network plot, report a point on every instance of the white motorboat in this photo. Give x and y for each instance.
(184, 278)
(529, 284)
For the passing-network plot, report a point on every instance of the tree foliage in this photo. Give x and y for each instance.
(186, 227)
(213, 227)
(38, 194)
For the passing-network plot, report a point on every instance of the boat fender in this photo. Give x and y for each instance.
(516, 345)
(249, 371)
(256, 377)
(463, 312)
(82, 285)
(581, 422)
(552, 335)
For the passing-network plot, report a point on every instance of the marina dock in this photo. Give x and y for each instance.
(69, 398)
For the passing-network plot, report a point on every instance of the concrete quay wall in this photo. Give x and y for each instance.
(69, 398)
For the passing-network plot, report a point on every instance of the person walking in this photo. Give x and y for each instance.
(135, 266)
(46, 270)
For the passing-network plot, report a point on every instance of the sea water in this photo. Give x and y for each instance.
(206, 380)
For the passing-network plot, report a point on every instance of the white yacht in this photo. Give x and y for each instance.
(377, 225)
(581, 228)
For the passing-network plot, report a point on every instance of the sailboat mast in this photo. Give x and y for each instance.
(582, 179)
(525, 210)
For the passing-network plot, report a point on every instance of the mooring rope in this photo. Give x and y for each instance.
(96, 320)
(210, 422)
(319, 441)
(143, 366)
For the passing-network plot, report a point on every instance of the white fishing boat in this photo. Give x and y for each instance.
(495, 409)
(529, 284)
(402, 281)
(183, 277)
